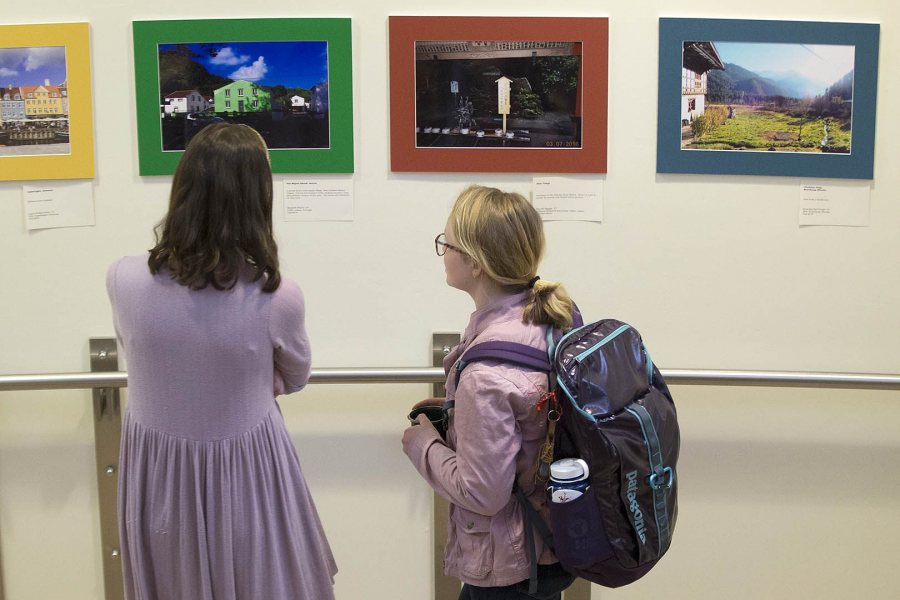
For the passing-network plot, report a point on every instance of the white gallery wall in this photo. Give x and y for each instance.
(785, 493)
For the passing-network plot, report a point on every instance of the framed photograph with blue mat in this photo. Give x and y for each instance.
(783, 98)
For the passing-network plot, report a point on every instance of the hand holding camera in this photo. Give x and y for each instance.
(432, 409)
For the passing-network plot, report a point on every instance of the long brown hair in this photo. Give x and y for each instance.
(504, 234)
(219, 223)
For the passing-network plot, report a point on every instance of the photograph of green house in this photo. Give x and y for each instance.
(241, 97)
(252, 83)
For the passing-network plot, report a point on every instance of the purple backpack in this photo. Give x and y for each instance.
(617, 414)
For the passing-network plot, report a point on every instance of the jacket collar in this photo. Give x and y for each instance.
(505, 308)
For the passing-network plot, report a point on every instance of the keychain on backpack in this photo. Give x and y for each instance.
(546, 455)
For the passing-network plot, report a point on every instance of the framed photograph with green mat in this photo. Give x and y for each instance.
(289, 79)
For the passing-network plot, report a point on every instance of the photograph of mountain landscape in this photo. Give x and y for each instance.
(768, 97)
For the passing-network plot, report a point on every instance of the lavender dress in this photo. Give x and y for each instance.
(212, 502)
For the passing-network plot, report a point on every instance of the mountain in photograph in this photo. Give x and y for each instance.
(842, 88)
(736, 82)
(179, 70)
(837, 101)
(740, 85)
(794, 84)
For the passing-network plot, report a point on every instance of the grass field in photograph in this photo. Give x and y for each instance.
(760, 128)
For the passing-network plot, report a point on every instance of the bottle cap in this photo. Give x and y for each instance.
(569, 469)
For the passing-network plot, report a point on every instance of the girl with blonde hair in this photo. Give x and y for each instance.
(491, 246)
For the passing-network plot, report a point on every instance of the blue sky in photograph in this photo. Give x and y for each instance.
(31, 66)
(823, 63)
(292, 64)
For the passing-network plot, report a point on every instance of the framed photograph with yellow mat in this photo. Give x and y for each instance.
(46, 126)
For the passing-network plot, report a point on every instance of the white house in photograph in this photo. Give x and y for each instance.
(185, 101)
(697, 60)
(299, 102)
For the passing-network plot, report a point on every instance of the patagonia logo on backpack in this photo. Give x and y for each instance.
(635, 509)
(617, 415)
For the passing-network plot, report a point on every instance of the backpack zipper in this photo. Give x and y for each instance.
(553, 349)
(608, 338)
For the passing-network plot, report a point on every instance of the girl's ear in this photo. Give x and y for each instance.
(476, 268)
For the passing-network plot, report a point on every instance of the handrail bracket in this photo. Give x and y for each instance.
(107, 435)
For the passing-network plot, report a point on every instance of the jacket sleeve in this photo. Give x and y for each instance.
(287, 328)
(479, 475)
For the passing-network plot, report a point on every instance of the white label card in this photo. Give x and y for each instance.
(58, 205)
(832, 203)
(562, 199)
(318, 200)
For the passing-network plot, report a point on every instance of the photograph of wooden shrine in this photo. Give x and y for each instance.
(498, 93)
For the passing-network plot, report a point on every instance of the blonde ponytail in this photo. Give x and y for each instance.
(549, 304)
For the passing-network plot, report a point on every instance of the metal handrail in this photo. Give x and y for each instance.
(118, 379)
(107, 427)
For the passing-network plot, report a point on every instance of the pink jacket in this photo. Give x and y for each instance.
(495, 435)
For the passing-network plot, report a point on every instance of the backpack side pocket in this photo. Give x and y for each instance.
(578, 533)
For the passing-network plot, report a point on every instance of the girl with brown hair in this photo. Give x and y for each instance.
(212, 501)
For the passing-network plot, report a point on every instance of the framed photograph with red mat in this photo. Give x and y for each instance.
(498, 94)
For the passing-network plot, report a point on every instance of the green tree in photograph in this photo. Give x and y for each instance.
(560, 71)
(525, 104)
(701, 126)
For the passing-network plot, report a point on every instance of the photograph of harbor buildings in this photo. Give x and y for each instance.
(34, 101)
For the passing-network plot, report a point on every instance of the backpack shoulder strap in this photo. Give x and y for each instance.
(538, 360)
(508, 352)
(577, 319)
(533, 521)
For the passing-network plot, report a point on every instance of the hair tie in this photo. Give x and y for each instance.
(532, 281)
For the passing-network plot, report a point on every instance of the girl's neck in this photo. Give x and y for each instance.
(487, 291)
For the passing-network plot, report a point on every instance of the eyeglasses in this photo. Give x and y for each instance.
(440, 246)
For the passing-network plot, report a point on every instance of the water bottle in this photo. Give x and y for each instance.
(568, 479)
